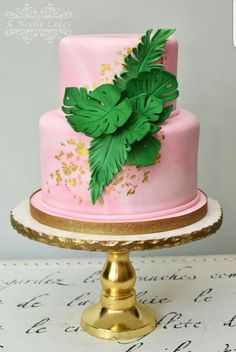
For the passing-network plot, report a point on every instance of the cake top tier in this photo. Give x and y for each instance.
(91, 60)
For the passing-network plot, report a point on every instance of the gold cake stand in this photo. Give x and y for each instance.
(117, 315)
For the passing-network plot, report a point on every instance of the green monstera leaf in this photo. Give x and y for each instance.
(165, 113)
(98, 112)
(146, 109)
(144, 153)
(147, 106)
(107, 155)
(159, 83)
(134, 130)
(142, 58)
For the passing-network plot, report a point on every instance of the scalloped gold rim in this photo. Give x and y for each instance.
(117, 228)
(113, 245)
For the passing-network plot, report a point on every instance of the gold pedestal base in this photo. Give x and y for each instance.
(118, 316)
(134, 322)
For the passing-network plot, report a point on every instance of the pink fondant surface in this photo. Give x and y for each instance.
(167, 187)
(90, 60)
(199, 201)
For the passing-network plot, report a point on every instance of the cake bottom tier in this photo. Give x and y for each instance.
(147, 223)
(135, 194)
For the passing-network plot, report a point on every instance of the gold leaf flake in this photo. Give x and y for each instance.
(132, 190)
(72, 182)
(58, 177)
(158, 159)
(146, 177)
(81, 149)
(72, 141)
(101, 200)
(58, 156)
(104, 68)
(132, 177)
(51, 175)
(68, 169)
(69, 155)
(119, 180)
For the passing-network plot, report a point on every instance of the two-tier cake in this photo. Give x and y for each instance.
(119, 156)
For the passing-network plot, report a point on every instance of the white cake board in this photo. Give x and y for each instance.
(25, 224)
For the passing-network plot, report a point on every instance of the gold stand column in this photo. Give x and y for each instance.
(118, 315)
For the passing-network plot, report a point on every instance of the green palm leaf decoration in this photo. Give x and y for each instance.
(98, 112)
(144, 153)
(142, 58)
(147, 106)
(106, 157)
(159, 83)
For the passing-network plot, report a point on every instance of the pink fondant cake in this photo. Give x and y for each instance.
(166, 189)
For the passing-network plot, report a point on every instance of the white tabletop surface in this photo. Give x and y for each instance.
(194, 299)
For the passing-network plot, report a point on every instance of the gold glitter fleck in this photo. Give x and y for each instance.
(104, 68)
(146, 177)
(48, 190)
(129, 50)
(81, 149)
(117, 63)
(162, 135)
(158, 159)
(80, 199)
(69, 155)
(72, 141)
(72, 182)
(119, 52)
(119, 180)
(132, 177)
(51, 175)
(58, 156)
(132, 190)
(82, 170)
(68, 169)
(101, 200)
(58, 177)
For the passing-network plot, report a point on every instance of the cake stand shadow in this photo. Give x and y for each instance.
(117, 315)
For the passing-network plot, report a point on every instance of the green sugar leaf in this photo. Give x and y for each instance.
(144, 153)
(107, 155)
(147, 106)
(98, 112)
(165, 113)
(73, 95)
(159, 83)
(142, 58)
(134, 130)
(154, 128)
